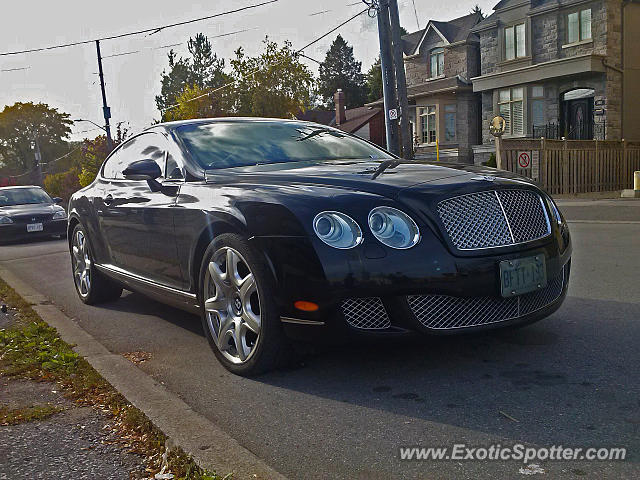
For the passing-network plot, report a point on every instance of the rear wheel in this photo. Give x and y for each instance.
(239, 315)
(92, 286)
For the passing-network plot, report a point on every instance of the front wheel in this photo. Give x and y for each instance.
(92, 286)
(239, 315)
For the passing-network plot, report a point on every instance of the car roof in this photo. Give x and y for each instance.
(203, 121)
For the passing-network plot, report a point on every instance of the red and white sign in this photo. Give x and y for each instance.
(524, 159)
(393, 114)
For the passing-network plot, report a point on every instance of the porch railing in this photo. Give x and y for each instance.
(582, 131)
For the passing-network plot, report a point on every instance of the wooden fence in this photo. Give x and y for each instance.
(573, 166)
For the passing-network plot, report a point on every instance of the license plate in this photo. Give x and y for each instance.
(522, 275)
(34, 227)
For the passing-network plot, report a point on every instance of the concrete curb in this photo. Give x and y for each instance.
(210, 447)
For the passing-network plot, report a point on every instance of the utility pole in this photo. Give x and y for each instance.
(401, 80)
(388, 78)
(105, 108)
(38, 165)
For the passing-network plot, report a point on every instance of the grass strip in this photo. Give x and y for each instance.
(32, 349)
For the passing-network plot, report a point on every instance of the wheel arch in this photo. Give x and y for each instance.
(208, 235)
(73, 222)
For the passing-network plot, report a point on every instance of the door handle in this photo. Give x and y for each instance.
(108, 199)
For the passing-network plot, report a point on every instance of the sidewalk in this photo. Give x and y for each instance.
(44, 435)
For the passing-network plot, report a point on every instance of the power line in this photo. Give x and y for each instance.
(309, 58)
(14, 69)
(138, 32)
(175, 44)
(319, 13)
(297, 52)
(416, 13)
(120, 54)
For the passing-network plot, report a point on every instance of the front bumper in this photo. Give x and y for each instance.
(428, 272)
(18, 231)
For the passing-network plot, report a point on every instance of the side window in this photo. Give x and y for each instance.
(174, 172)
(143, 147)
(111, 166)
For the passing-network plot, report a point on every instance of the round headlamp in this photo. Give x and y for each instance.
(337, 230)
(393, 227)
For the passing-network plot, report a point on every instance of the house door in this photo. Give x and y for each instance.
(578, 114)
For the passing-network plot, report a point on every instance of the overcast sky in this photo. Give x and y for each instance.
(66, 78)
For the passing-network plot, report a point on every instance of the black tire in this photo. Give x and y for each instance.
(271, 349)
(100, 288)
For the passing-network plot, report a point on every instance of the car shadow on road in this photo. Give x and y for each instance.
(572, 378)
(132, 302)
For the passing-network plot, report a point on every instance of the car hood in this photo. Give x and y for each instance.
(358, 175)
(30, 209)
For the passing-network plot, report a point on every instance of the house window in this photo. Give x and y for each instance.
(428, 124)
(537, 106)
(437, 62)
(510, 106)
(579, 26)
(514, 42)
(449, 123)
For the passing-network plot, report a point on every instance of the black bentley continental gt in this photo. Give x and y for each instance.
(29, 212)
(275, 230)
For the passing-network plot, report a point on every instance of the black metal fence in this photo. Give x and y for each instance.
(581, 131)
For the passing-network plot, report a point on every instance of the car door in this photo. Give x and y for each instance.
(137, 218)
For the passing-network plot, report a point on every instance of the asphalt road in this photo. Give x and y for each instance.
(572, 379)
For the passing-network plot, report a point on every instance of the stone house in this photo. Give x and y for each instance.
(440, 61)
(560, 68)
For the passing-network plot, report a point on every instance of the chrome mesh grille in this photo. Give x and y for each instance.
(475, 221)
(526, 214)
(441, 312)
(494, 218)
(365, 313)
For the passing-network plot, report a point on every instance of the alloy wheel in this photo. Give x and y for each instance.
(81, 264)
(232, 305)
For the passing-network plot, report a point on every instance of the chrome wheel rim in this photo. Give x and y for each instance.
(81, 264)
(232, 305)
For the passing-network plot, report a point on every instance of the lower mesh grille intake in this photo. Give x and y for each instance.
(442, 312)
(365, 313)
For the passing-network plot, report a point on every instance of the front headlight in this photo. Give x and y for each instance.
(5, 221)
(394, 228)
(60, 215)
(337, 230)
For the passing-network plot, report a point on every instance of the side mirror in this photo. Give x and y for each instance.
(142, 170)
(57, 200)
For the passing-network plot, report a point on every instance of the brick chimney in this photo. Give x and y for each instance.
(339, 99)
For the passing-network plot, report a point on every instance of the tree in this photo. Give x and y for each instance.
(20, 124)
(273, 84)
(477, 9)
(62, 184)
(203, 69)
(374, 82)
(341, 70)
(194, 102)
(94, 153)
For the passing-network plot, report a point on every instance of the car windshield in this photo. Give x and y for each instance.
(23, 196)
(239, 144)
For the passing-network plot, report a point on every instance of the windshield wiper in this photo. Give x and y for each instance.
(383, 166)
